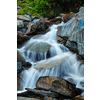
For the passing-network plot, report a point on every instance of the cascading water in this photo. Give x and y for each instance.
(71, 69)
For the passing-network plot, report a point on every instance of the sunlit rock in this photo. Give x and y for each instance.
(56, 84)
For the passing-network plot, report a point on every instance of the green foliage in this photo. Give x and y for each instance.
(49, 8)
(19, 2)
(21, 12)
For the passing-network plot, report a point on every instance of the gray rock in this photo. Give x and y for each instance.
(26, 25)
(51, 62)
(74, 31)
(20, 24)
(23, 30)
(22, 17)
(38, 46)
(19, 66)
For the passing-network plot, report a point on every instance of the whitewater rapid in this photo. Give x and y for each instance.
(71, 69)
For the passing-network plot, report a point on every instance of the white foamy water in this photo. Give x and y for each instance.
(71, 69)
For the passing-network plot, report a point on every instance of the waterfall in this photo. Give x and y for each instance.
(71, 69)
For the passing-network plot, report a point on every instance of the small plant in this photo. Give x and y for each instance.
(21, 12)
(19, 3)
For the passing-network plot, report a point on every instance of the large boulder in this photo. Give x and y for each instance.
(38, 46)
(74, 31)
(57, 85)
(51, 62)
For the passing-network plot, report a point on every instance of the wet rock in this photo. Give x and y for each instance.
(38, 46)
(67, 17)
(78, 97)
(19, 66)
(74, 31)
(20, 24)
(22, 17)
(51, 62)
(55, 84)
(43, 92)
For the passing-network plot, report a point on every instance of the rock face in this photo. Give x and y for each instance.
(74, 31)
(55, 84)
(38, 46)
(51, 62)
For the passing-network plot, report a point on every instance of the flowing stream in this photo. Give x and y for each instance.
(71, 69)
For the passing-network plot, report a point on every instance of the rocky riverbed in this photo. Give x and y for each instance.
(48, 54)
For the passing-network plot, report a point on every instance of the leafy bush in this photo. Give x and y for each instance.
(49, 8)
